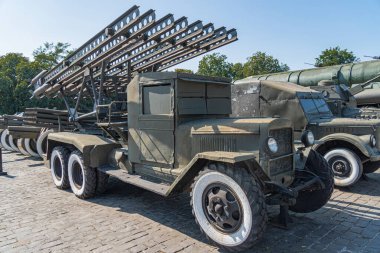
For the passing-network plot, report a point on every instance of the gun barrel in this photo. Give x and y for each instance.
(348, 74)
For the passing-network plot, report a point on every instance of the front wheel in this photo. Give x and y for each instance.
(346, 165)
(58, 167)
(229, 206)
(81, 177)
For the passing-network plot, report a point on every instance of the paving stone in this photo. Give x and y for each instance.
(37, 217)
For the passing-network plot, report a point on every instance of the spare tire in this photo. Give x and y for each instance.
(42, 142)
(313, 197)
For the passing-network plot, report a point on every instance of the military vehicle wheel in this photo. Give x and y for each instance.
(30, 146)
(1, 132)
(101, 182)
(229, 206)
(370, 167)
(58, 167)
(313, 197)
(81, 177)
(346, 166)
(42, 142)
(5, 140)
(13, 143)
(21, 146)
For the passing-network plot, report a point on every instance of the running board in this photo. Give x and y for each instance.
(136, 180)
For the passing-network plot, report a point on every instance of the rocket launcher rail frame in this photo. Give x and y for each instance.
(134, 42)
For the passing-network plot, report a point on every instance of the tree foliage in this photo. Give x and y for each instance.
(261, 63)
(189, 71)
(335, 56)
(16, 71)
(215, 65)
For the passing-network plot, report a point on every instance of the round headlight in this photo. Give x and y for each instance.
(307, 138)
(372, 141)
(272, 145)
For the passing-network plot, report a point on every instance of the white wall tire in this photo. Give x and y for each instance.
(251, 201)
(81, 177)
(346, 165)
(21, 147)
(13, 143)
(5, 140)
(30, 146)
(58, 167)
(42, 142)
(1, 132)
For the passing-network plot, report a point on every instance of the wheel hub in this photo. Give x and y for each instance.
(222, 208)
(341, 167)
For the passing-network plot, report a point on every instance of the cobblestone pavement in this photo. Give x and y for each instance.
(37, 217)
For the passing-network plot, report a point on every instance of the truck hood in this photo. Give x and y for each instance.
(237, 125)
(349, 122)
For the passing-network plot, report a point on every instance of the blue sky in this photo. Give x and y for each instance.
(294, 31)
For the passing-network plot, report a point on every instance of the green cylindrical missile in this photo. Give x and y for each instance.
(348, 74)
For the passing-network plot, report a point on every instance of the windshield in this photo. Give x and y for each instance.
(315, 107)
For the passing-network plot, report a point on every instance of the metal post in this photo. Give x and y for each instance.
(2, 173)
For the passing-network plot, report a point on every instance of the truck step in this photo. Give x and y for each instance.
(136, 180)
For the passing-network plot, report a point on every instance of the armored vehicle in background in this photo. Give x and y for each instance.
(349, 144)
(346, 88)
(178, 136)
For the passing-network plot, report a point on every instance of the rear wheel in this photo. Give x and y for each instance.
(81, 177)
(5, 140)
(13, 143)
(370, 167)
(101, 182)
(30, 146)
(346, 165)
(21, 146)
(42, 142)
(313, 197)
(58, 167)
(229, 206)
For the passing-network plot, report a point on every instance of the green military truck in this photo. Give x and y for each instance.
(178, 137)
(348, 144)
(347, 88)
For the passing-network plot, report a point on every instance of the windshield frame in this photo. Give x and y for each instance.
(321, 111)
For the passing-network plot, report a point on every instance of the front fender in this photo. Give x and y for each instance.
(201, 159)
(360, 142)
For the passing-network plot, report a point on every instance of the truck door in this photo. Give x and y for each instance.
(156, 123)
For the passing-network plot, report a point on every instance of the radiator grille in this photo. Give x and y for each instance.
(280, 165)
(203, 143)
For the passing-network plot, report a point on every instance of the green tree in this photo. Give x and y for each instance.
(261, 63)
(215, 65)
(237, 71)
(335, 56)
(189, 71)
(16, 71)
(50, 54)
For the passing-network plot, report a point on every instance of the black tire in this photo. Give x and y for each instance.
(313, 198)
(81, 177)
(58, 166)
(249, 222)
(371, 167)
(101, 182)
